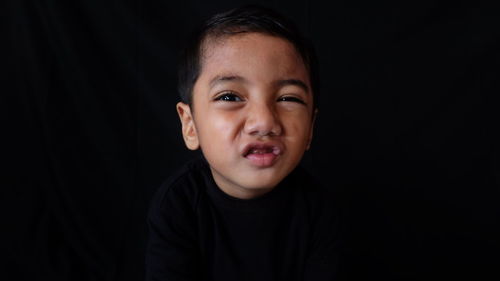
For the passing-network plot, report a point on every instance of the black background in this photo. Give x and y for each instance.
(406, 134)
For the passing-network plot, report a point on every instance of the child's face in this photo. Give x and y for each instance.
(252, 112)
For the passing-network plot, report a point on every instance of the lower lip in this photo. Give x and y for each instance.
(262, 160)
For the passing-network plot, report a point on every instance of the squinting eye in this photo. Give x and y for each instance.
(228, 97)
(292, 99)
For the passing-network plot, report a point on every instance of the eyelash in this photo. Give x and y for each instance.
(292, 99)
(233, 97)
(228, 95)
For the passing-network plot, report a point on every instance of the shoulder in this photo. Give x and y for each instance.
(309, 187)
(183, 188)
(324, 222)
(320, 200)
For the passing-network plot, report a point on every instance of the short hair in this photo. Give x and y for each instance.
(245, 19)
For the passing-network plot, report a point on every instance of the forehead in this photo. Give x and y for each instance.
(255, 56)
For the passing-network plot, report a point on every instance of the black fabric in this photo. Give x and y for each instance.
(197, 232)
(406, 135)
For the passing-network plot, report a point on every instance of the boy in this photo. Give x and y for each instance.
(245, 211)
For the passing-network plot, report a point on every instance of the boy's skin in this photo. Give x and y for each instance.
(252, 113)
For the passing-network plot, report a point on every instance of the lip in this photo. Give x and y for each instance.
(263, 160)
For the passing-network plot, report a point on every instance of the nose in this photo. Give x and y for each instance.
(262, 120)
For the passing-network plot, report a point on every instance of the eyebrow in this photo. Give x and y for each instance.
(293, 82)
(280, 83)
(225, 78)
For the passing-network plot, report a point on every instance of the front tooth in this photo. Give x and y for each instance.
(258, 151)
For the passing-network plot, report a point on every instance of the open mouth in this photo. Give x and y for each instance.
(263, 150)
(262, 155)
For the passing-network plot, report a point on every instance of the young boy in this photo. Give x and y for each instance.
(245, 211)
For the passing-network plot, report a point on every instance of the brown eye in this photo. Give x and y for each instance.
(291, 99)
(229, 97)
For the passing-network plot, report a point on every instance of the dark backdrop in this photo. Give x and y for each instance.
(406, 135)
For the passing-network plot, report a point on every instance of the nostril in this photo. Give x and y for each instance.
(261, 131)
(262, 121)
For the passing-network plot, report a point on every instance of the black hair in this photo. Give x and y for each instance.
(236, 21)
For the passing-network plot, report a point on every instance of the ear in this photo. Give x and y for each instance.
(189, 132)
(312, 129)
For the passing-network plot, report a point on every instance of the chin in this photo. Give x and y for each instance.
(260, 182)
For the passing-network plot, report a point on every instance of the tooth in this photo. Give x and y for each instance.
(258, 151)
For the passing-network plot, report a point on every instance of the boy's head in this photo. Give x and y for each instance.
(247, 84)
(243, 20)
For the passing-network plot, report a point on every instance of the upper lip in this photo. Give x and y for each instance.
(275, 146)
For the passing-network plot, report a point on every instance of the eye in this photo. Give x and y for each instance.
(291, 99)
(228, 96)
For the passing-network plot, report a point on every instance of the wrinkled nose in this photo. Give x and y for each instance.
(262, 120)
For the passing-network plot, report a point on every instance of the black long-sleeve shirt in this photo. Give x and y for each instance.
(197, 232)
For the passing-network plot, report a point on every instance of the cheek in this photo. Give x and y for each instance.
(219, 125)
(298, 127)
(302, 132)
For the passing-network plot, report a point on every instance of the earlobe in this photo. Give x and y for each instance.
(189, 132)
(312, 129)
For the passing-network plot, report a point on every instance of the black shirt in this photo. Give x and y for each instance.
(197, 232)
